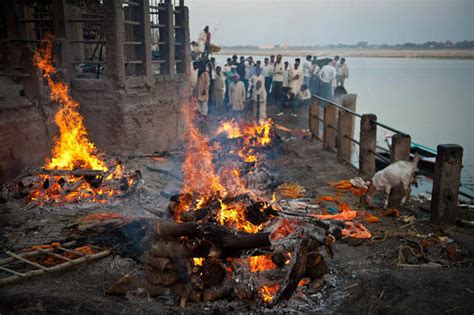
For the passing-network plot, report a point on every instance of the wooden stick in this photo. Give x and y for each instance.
(29, 262)
(55, 268)
(12, 271)
(54, 254)
(77, 172)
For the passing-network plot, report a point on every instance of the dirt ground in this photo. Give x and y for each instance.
(365, 276)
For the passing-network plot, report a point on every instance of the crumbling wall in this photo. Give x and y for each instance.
(135, 119)
(26, 138)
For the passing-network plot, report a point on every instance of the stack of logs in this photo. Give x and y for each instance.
(201, 262)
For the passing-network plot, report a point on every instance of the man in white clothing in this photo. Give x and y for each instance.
(296, 77)
(307, 69)
(237, 95)
(267, 73)
(277, 83)
(257, 77)
(259, 101)
(327, 75)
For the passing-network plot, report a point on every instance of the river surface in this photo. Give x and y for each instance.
(430, 99)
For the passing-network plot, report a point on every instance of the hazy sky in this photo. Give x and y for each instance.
(308, 22)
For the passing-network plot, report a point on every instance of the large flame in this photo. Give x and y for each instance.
(203, 184)
(72, 148)
(268, 292)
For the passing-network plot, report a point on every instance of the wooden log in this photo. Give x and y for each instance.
(170, 249)
(330, 126)
(446, 181)
(217, 292)
(77, 172)
(166, 278)
(314, 122)
(160, 263)
(316, 266)
(345, 127)
(368, 141)
(296, 273)
(399, 151)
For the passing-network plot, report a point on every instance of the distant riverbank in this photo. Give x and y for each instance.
(445, 53)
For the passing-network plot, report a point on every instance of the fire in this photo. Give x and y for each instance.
(234, 215)
(268, 292)
(261, 263)
(197, 261)
(284, 228)
(72, 149)
(204, 184)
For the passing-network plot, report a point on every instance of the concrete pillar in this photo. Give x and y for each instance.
(345, 128)
(399, 151)
(167, 48)
(368, 142)
(330, 124)
(114, 34)
(446, 180)
(314, 118)
(183, 50)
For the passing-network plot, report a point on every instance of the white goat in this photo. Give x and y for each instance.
(398, 173)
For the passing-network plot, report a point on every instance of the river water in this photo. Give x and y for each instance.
(430, 99)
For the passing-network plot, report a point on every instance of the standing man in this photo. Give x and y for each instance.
(342, 72)
(272, 60)
(327, 76)
(307, 70)
(218, 94)
(259, 100)
(314, 82)
(267, 73)
(296, 76)
(257, 77)
(237, 95)
(207, 46)
(203, 91)
(286, 82)
(241, 72)
(277, 83)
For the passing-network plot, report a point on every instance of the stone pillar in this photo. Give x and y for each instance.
(183, 40)
(114, 34)
(444, 199)
(345, 128)
(142, 34)
(62, 38)
(330, 124)
(368, 142)
(314, 118)
(399, 151)
(167, 46)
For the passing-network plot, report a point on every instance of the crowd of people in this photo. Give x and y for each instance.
(244, 82)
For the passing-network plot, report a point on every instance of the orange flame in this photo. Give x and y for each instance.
(261, 263)
(198, 261)
(72, 149)
(268, 292)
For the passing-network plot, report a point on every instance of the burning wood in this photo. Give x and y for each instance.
(75, 171)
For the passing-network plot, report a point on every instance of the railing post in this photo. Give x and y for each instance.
(368, 142)
(444, 199)
(399, 151)
(142, 34)
(167, 46)
(345, 128)
(115, 36)
(183, 51)
(314, 118)
(330, 124)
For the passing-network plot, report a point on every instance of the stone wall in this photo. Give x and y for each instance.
(137, 118)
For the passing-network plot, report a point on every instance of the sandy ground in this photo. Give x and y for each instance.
(364, 276)
(451, 54)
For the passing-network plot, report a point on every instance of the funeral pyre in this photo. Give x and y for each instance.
(75, 171)
(229, 238)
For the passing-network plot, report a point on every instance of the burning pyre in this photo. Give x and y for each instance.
(75, 171)
(229, 236)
